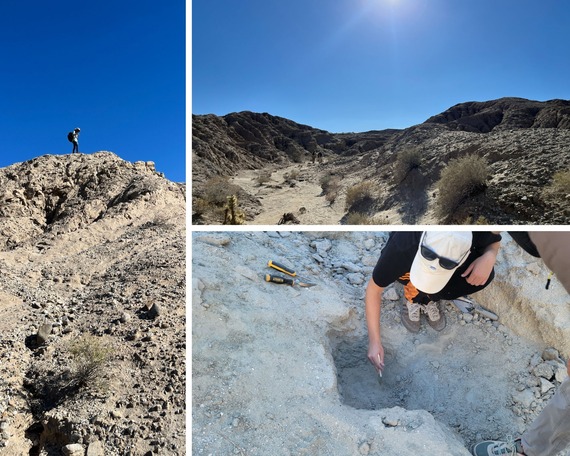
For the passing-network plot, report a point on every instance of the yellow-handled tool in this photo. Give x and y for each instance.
(286, 281)
(281, 268)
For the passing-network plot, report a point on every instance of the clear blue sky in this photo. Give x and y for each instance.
(114, 68)
(358, 65)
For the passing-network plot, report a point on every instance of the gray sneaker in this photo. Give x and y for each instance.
(410, 315)
(436, 319)
(496, 448)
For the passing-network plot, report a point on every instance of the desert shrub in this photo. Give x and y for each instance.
(200, 206)
(331, 187)
(359, 194)
(82, 364)
(406, 161)
(264, 177)
(331, 196)
(357, 218)
(325, 181)
(481, 220)
(461, 178)
(291, 176)
(90, 358)
(558, 190)
(217, 189)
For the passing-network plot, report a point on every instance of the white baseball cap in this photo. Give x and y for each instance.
(439, 254)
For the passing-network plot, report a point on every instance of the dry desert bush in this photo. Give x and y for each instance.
(359, 194)
(558, 191)
(217, 189)
(357, 218)
(406, 161)
(213, 201)
(90, 356)
(331, 187)
(461, 178)
(264, 176)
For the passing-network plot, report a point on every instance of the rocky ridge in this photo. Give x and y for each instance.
(525, 142)
(92, 245)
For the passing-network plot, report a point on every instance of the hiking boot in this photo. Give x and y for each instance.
(495, 448)
(436, 319)
(410, 316)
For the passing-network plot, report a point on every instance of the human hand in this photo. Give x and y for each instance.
(480, 269)
(376, 355)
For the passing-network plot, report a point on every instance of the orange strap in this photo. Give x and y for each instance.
(410, 292)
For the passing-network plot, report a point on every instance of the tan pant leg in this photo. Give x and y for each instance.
(550, 432)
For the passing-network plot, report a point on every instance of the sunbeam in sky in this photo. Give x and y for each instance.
(357, 65)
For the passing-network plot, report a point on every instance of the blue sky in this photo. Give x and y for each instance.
(116, 69)
(359, 65)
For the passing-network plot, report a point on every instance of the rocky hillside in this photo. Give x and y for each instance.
(505, 114)
(524, 143)
(92, 249)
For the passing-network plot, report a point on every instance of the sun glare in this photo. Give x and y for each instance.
(393, 8)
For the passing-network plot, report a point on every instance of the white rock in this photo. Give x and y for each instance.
(561, 373)
(219, 240)
(544, 370)
(391, 294)
(545, 386)
(351, 267)
(322, 246)
(369, 260)
(74, 449)
(355, 278)
(524, 398)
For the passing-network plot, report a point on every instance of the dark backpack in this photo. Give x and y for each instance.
(70, 136)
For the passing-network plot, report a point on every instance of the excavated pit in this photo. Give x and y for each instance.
(467, 376)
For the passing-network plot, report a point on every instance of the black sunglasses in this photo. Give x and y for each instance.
(430, 255)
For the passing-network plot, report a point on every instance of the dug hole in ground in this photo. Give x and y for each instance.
(282, 370)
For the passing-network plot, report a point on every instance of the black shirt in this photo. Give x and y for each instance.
(399, 252)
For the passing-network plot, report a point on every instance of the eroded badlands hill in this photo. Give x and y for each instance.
(92, 245)
(524, 142)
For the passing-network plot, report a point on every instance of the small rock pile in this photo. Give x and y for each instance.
(537, 385)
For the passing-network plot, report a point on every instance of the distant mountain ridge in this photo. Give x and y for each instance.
(505, 113)
(247, 139)
(524, 141)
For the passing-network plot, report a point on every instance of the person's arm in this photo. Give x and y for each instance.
(373, 304)
(479, 271)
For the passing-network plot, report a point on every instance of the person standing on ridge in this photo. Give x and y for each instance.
(73, 136)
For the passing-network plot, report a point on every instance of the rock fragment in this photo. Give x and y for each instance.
(74, 449)
(43, 333)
